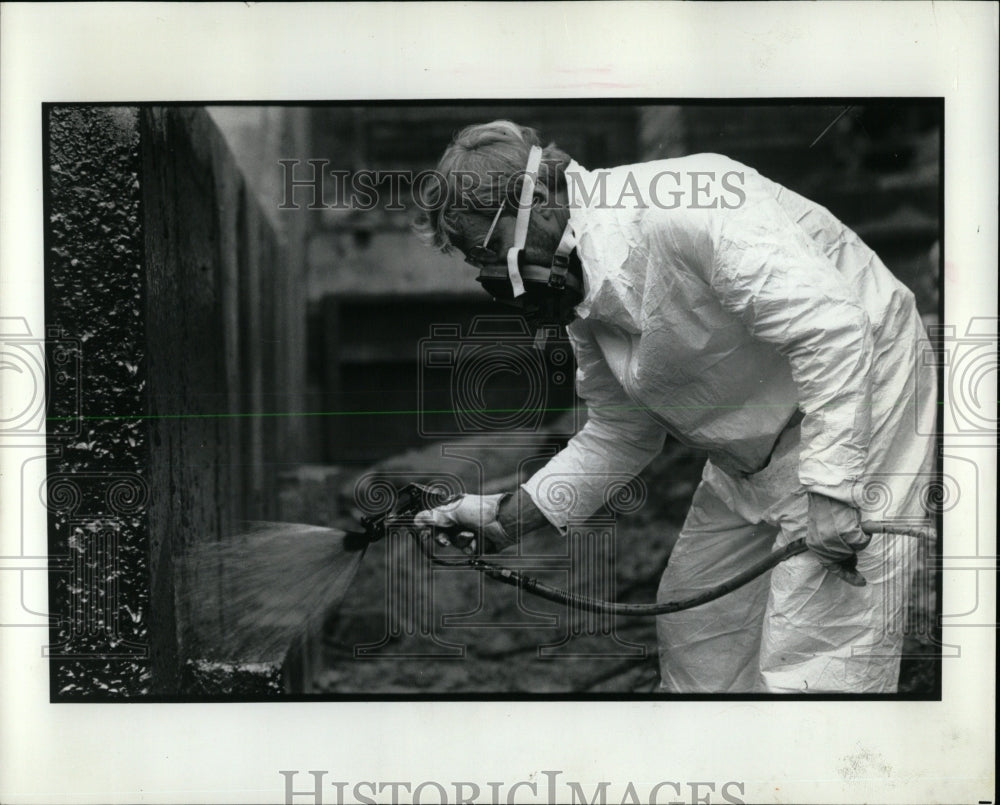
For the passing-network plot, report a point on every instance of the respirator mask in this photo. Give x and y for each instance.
(545, 295)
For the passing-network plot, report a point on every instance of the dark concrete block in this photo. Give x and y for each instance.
(98, 492)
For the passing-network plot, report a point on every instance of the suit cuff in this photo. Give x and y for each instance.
(845, 491)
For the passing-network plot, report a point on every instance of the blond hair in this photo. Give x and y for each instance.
(474, 174)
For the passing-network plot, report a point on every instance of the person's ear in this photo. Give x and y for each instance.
(540, 202)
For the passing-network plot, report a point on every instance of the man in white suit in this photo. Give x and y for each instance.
(743, 319)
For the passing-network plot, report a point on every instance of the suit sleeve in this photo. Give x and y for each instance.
(767, 271)
(616, 443)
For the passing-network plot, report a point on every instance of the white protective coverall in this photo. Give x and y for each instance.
(724, 326)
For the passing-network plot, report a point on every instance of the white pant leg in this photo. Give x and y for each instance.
(714, 648)
(797, 628)
(820, 634)
(823, 635)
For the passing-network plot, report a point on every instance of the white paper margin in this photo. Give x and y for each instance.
(781, 751)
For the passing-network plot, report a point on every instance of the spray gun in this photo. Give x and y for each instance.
(411, 499)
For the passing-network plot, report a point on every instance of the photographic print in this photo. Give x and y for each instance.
(498, 403)
(297, 450)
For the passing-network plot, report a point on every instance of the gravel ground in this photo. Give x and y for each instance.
(537, 651)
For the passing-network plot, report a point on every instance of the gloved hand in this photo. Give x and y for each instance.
(834, 534)
(475, 515)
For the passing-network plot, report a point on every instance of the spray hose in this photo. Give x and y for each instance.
(533, 586)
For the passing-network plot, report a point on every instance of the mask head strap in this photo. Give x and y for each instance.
(560, 260)
(523, 214)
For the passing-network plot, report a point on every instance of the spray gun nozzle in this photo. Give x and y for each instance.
(411, 499)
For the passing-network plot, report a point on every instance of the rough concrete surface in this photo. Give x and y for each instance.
(98, 488)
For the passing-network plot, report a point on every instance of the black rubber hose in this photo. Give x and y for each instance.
(535, 587)
(532, 585)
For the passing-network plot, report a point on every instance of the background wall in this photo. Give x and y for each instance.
(373, 290)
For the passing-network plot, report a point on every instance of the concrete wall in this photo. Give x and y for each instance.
(99, 448)
(162, 264)
(258, 138)
(375, 291)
